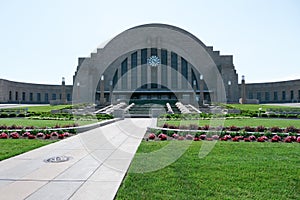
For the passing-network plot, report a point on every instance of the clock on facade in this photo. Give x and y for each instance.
(154, 61)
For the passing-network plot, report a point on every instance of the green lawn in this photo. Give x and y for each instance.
(41, 108)
(11, 147)
(40, 123)
(231, 171)
(255, 107)
(254, 122)
(45, 108)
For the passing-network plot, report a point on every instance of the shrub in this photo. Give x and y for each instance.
(166, 125)
(3, 127)
(249, 129)
(183, 127)
(12, 115)
(268, 134)
(193, 127)
(4, 115)
(234, 128)
(260, 129)
(291, 129)
(275, 129)
(21, 115)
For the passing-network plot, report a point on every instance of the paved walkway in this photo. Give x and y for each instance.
(98, 163)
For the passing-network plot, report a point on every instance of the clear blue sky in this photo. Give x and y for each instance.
(40, 41)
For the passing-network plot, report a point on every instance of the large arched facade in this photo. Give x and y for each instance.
(182, 65)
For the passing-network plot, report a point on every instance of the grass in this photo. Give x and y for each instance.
(254, 122)
(230, 171)
(11, 147)
(40, 123)
(46, 108)
(39, 108)
(255, 107)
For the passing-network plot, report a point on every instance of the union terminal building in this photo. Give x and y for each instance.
(153, 62)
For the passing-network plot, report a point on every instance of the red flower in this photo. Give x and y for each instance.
(196, 139)
(30, 136)
(54, 134)
(47, 136)
(224, 139)
(215, 137)
(247, 140)
(189, 137)
(275, 138)
(293, 138)
(288, 139)
(26, 134)
(265, 138)
(151, 136)
(298, 139)
(202, 137)
(162, 136)
(40, 135)
(175, 136)
(180, 138)
(236, 139)
(252, 137)
(228, 137)
(61, 136)
(66, 134)
(260, 139)
(14, 135)
(3, 136)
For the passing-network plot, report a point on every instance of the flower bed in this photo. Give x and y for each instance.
(274, 129)
(36, 134)
(228, 137)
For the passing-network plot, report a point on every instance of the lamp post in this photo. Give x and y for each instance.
(195, 88)
(110, 90)
(201, 89)
(229, 90)
(78, 91)
(102, 100)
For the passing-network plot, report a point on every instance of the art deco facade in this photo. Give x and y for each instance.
(152, 62)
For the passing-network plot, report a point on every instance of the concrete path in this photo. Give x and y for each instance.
(98, 163)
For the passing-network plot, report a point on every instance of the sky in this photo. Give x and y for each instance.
(40, 41)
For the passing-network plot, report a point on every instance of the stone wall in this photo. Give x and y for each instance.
(18, 92)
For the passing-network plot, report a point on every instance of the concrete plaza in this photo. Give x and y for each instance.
(98, 162)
